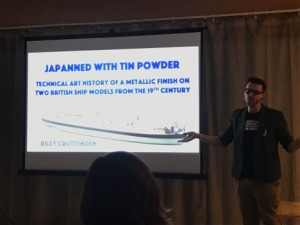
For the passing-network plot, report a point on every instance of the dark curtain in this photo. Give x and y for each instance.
(234, 49)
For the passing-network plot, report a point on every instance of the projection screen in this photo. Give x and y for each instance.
(91, 95)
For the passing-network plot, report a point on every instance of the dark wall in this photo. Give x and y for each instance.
(17, 13)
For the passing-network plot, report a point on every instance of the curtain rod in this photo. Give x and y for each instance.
(161, 19)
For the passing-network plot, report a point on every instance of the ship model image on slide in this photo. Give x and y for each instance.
(136, 131)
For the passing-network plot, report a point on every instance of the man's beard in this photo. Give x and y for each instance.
(252, 102)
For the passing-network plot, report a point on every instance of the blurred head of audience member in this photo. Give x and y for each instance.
(121, 190)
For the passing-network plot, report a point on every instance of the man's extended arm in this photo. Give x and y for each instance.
(210, 139)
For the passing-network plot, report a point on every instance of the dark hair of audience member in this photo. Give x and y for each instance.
(121, 190)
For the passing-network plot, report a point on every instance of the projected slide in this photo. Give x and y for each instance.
(102, 96)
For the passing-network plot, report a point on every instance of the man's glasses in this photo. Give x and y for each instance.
(247, 91)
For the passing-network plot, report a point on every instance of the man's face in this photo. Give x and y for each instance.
(253, 94)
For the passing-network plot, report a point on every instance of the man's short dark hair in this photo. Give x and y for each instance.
(256, 80)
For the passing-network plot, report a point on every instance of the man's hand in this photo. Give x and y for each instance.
(294, 146)
(210, 139)
(189, 136)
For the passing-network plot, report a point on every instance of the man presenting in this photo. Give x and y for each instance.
(256, 131)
